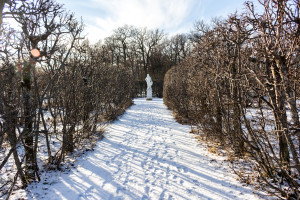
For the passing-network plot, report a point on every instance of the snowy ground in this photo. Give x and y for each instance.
(146, 154)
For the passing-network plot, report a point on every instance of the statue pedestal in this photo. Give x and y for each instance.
(149, 94)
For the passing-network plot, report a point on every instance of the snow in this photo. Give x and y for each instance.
(145, 154)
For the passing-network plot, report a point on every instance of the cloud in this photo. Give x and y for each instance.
(170, 15)
(101, 17)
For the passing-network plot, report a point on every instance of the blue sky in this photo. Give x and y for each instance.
(173, 16)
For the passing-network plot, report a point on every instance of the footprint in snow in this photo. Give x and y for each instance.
(182, 169)
(196, 182)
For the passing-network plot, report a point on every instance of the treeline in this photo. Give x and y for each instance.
(144, 51)
(241, 68)
(54, 88)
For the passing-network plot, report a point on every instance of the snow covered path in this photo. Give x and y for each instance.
(146, 154)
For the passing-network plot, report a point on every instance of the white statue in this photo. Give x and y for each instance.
(149, 89)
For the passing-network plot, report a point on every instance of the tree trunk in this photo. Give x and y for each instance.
(280, 116)
(11, 123)
(68, 145)
(1, 135)
(237, 129)
(28, 133)
(289, 93)
(86, 109)
(291, 100)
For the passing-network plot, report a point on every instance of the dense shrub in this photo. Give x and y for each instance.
(236, 87)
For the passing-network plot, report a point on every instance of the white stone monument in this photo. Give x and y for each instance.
(149, 89)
